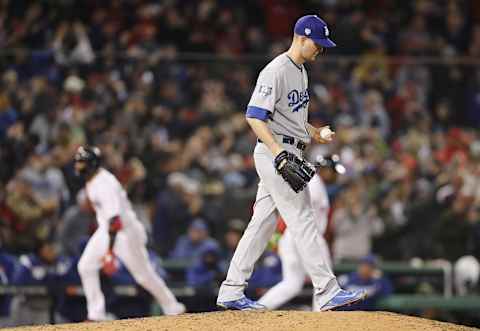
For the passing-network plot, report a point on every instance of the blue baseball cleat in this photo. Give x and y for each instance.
(243, 303)
(344, 298)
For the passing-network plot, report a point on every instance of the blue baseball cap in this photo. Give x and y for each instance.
(313, 27)
(199, 224)
(370, 260)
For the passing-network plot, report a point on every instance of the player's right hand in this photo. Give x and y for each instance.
(110, 265)
(323, 135)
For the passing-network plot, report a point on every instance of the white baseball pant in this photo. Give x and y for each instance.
(130, 248)
(275, 195)
(293, 270)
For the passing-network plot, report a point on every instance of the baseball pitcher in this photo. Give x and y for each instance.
(278, 114)
(119, 234)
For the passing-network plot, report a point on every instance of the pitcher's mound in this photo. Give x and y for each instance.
(263, 321)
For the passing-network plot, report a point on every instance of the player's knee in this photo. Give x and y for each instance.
(84, 267)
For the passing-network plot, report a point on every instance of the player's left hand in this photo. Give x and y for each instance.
(109, 263)
(296, 172)
(323, 134)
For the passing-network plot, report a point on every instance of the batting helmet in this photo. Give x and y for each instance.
(90, 156)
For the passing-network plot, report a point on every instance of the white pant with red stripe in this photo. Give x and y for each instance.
(130, 248)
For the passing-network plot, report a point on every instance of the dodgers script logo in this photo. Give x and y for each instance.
(298, 100)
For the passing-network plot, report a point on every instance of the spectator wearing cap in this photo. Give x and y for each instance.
(369, 278)
(43, 267)
(204, 275)
(206, 270)
(191, 245)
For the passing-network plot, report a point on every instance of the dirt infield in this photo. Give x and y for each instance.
(264, 321)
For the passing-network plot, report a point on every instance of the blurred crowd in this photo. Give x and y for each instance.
(133, 78)
(80, 30)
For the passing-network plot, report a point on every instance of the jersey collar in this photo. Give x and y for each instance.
(293, 62)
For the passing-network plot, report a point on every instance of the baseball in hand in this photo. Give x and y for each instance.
(326, 133)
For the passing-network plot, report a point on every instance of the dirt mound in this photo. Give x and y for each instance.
(264, 321)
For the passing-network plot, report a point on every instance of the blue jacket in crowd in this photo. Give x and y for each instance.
(267, 273)
(8, 265)
(377, 287)
(207, 267)
(186, 249)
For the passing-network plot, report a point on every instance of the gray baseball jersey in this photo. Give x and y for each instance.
(282, 91)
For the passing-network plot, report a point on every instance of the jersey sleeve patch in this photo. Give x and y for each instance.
(266, 92)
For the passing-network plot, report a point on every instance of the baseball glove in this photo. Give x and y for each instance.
(296, 172)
